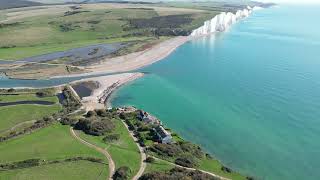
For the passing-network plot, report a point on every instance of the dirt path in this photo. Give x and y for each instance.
(103, 151)
(143, 164)
(193, 169)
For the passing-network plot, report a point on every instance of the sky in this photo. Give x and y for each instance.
(293, 1)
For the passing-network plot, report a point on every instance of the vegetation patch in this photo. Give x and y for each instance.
(177, 173)
(171, 21)
(70, 13)
(122, 173)
(118, 142)
(94, 124)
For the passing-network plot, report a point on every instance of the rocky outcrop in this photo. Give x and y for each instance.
(222, 22)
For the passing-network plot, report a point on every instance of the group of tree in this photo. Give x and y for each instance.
(177, 173)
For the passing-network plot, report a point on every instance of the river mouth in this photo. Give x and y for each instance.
(46, 103)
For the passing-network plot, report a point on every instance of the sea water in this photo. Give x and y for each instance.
(249, 96)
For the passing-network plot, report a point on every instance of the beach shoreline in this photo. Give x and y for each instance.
(100, 96)
(133, 61)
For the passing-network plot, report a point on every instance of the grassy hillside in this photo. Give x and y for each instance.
(15, 114)
(51, 144)
(124, 151)
(81, 170)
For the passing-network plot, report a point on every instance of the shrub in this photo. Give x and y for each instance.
(48, 119)
(170, 150)
(226, 169)
(150, 159)
(101, 112)
(111, 138)
(177, 173)
(91, 113)
(94, 127)
(10, 90)
(122, 173)
(21, 164)
(69, 121)
(186, 161)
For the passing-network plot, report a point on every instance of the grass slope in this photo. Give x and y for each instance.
(51, 143)
(12, 115)
(158, 166)
(124, 152)
(81, 170)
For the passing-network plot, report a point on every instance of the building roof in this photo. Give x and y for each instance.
(162, 132)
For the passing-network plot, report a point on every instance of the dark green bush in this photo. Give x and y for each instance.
(111, 138)
(150, 159)
(122, 173)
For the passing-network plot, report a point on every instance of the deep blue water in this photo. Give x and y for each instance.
(249, 96)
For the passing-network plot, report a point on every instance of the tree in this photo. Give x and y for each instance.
(122, 173)
(11, 90)
(91, 113)
(150, 159)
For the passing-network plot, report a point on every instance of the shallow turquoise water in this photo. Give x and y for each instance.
(250, 96)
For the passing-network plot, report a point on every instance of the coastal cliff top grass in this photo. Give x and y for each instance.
(51, 144)
(124, 151)
(31, 31)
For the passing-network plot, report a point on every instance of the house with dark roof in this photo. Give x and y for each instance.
(163, 135)
(147, 118)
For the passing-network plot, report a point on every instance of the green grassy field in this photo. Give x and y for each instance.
(214, 166)
(51, 143)
(158, 166)
(13, 115)
(124, 152)
(26, 97)
(81, 170)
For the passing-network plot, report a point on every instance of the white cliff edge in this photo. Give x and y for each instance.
(222, 22)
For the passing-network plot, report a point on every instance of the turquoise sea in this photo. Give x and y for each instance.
(249, 96)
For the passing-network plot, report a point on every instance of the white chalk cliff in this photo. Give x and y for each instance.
(222, 21)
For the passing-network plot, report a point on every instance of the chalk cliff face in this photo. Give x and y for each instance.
(221, 22)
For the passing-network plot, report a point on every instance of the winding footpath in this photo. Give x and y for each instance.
(193, 169)
(143, 163)
(103, 151)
